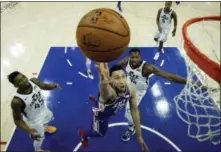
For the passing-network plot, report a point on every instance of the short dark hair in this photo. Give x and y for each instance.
(134, 50)
(12, 76)
(115, 68)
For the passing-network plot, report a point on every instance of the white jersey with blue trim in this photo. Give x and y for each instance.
(136, 77)
(165, 19)
(36, 111)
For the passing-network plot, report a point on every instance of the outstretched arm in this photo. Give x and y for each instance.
(105, 89)
(149, 69)
(134, 110)
(166, 75)
(45, 86)
(136, 118)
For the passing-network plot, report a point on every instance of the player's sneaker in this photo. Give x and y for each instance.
(84, 140)
(50, 129)
(92, 98)
(119, 6)
(157, 55)
(90, 75)
(128, 134)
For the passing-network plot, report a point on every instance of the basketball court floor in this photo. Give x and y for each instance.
(38, 39)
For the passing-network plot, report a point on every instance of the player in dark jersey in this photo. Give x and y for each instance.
(114, 93)
(119, 6)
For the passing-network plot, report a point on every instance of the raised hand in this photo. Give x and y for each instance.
(103, 70)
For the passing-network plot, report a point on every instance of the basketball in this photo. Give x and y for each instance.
(103, 35)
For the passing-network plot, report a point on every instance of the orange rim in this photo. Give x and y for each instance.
(204, 63)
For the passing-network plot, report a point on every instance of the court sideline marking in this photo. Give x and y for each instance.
(143, 127)
(10, 138)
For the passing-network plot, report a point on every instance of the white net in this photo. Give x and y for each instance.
(197, 107)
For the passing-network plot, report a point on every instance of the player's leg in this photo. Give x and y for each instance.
(160, 44)
(119, 6)
(162, 39)
(131, 129)
(47, 119)
(98, 129)
(157, 36)
(38, 143)
(156, 39)
(48, 128)
(88, 67)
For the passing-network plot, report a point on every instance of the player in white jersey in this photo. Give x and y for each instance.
(138, 72)
(88, 67)
(30, 112)
(164, 19)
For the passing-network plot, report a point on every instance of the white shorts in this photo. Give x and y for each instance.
(162, 36)
(41, 125)
(88, 61)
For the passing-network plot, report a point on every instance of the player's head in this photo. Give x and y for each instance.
(18, 79)
(168, 4)
(118, 77)
(135, 57)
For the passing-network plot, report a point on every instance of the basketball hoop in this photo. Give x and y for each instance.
(213, 70)
(197, 107)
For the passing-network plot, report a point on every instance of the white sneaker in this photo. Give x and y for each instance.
(157, 55)
(90, 74)
(162, 50)
(128, 135)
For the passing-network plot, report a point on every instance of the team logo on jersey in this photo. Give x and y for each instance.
(164, 18)
(133, 77)
(37, 100)
(119, 105)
